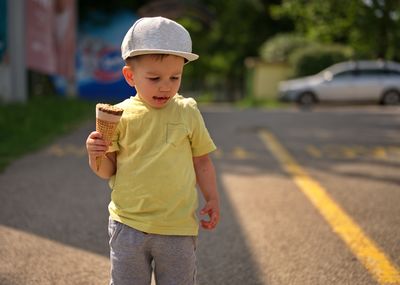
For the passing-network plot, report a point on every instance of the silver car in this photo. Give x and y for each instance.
(355, 81)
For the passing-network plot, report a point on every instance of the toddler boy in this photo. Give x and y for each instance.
(158, 155)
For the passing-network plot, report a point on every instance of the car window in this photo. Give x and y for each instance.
(343, 74)
(371, 72)
(393, 72)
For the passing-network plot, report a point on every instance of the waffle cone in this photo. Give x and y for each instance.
(107, 130)
(107, 119)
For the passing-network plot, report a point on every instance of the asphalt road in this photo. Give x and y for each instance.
(53, 216)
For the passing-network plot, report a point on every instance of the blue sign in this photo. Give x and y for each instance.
(99, 61)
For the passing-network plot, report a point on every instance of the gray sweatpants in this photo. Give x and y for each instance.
(132, 253)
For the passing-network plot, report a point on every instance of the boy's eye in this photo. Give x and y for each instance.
(158, 78)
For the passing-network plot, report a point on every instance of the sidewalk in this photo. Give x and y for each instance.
(53, 220)
(53, 217)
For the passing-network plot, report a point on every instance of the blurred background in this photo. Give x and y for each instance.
(58, 58)
(246, 47)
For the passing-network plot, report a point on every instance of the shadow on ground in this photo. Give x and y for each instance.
(54, 195)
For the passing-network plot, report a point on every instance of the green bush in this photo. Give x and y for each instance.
(314, 58)
(280, 47)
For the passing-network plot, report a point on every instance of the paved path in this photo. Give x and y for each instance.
(53, 224)
(53, 214)
(53, 217)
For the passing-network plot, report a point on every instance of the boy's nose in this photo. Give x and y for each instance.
(165, 87)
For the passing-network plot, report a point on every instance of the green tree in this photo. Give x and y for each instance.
(237, 30)
(370, 27)
(279, 47)
(316, 57)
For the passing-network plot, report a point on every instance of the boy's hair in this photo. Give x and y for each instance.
(157, 35)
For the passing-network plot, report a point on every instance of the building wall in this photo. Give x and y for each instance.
(262, 79)
(266, 78)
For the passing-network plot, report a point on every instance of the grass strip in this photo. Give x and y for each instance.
(27, 127)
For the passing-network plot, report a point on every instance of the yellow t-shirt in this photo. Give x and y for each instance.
(154, 188)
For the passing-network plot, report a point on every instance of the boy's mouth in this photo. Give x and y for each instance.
(160, 98)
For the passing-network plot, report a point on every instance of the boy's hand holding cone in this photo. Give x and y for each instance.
(107, 119)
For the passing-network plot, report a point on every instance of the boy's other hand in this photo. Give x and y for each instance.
(212, 210)
(95, 145)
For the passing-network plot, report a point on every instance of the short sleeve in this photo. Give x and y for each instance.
(200, 139)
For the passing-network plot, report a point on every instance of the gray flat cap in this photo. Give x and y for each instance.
(157, 35)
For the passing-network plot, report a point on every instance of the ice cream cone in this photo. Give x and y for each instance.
(107, 119)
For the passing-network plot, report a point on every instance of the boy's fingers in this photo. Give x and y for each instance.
(208, 225)
(214, 220)
(99, 143)
(99, 148)
(214, 217)
(212, 223)
(205, 210)
(96, 141)
(95, 135)
(213, 214)
(96, 145)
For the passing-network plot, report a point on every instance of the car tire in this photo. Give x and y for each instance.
(306, 99)
(391, 97)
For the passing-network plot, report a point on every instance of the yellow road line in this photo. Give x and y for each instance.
(349, 152)
(379, 152)
(313, 151)
(367, 252)
(240, 153)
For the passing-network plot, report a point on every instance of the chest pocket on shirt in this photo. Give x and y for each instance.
(176, 134)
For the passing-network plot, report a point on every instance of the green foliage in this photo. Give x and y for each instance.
(26, 127)
(325, 21)
(316, 57)
(305, 56)
(371, 28)
(280, 47)
(235, 33)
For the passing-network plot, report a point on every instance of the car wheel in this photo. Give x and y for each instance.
(307, 99)
(391, 97)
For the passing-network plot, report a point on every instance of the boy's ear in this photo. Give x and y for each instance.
(128, 74)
